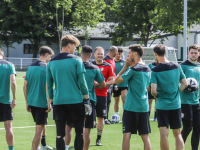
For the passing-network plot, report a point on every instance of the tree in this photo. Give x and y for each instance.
(147, 19)
(43, 20)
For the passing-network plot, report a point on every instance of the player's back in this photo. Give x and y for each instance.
(92, 73)
(6, 69)
(110, 61)
(36, 87)
(64, 69)
(167, 77)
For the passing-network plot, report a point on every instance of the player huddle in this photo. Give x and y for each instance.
(81, 91)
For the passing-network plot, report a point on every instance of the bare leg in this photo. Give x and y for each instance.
(37, 138)
(116, 105)
(164, 132)
(86, 139)
(178, 138)
(123, 96)
(68, 135)
(146, 141)
(126, 141)
(9, 132)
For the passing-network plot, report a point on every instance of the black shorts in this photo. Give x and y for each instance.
(189, 111)
(71, 113)
(136, 121)
(149, 95)
(90, 121)
(169, 117)
(40, 117)
(5, 112)
(117, 93)
(101, 106)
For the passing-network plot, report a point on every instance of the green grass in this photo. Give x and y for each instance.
(111, 138)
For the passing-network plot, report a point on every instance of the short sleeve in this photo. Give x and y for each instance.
(99, 76)
(153, 78)
(48, 72)
(183, 68)
(182, 75)
(27, 75)
(80, 66)
(128, 74)
(110, 71)
(12, 71)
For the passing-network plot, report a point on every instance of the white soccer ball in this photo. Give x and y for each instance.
(192, 82)
(115, 118)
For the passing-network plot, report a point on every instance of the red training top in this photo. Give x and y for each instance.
(107, 72)
(110, 61)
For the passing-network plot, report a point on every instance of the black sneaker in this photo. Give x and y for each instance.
(98, 143)
(107, 122)
(111, 122)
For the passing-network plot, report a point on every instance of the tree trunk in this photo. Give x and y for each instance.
(7, 50)
(35, 51)
(145, 42)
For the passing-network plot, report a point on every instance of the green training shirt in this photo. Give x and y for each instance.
(118, 67)
(167, 77)
(151, 65)
(92, 73)
(6, 69)
(36, 87)
(63, 71)
(191, 71)
(138, 78)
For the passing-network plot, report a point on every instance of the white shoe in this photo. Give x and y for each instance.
(46, 148)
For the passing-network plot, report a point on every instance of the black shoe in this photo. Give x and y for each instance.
(98, 143)
(111, 122)
(107, 122)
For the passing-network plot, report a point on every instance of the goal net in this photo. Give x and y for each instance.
(149, 57)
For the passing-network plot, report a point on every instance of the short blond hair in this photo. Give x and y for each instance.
(98, 47)
(66, 39)
(1, 51)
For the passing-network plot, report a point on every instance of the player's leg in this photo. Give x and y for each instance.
(116, 105)
(164, 132)
(123, 96)
(126, 141)
(109, 93)
(100, 126)
(155, 115)
(186, 110)
(178, 139)
(196, 127)
(146, 141)
(68, 136)
(150, 105)
(87, 139)
(9, 133)
(37, 137)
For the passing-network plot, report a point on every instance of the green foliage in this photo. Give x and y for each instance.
(149, 19)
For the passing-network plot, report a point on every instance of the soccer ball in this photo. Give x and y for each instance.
(115, 118)
(192, 84)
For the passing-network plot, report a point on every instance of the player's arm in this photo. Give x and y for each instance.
(119, 79)
(25, 95)
(110, 81)
(49, 83)
(100, 85)
(49, 101)
(154, 90)
(183, 84)
(13, 88)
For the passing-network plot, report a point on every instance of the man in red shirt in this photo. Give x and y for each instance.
(109, 58)
(101, 94)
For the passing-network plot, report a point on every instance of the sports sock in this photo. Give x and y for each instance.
(66, 147)
(98, 137)
(116, 113)
(78, 142)
(43, 140)
(10, 147)
(155, 116)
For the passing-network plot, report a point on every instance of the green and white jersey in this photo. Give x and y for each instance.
(118, 67)
(92, 73)
(63, 71)
(191, 71)
(6, 69)
(138, 78)
(167, 77)
(36, 87)
(151, 66)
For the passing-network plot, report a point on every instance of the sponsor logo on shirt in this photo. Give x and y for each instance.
(121, 64)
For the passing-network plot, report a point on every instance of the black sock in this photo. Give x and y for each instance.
(149, 113)
(78, 142)
(60, 143)
(43, 141)
(98, 137)
(155, 116)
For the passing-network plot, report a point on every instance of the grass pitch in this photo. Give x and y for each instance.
(23, 128)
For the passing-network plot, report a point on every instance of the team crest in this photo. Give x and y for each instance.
(121, 64)
(102, 69)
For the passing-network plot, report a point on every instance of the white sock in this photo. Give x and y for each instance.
(116, 113)
(66, 147)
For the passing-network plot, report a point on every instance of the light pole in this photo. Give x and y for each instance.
(185, 31)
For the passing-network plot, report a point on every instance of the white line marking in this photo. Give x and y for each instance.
(27, 127)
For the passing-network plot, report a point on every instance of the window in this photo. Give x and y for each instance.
(28, 48)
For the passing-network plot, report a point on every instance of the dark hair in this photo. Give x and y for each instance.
(120, 50)
(1, 51)
(194, 46)
(98, 47)
(159, 50)
(65, 40)
(137, 48)
(87, 49)
(45, 49)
